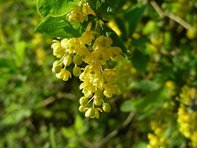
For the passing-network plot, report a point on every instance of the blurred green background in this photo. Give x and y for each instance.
(38, 110)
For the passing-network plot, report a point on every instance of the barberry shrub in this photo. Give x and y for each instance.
(137, 50)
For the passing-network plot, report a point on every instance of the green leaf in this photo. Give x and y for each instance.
(127, 106)
(141, 144)
(151, 102)
(149, 99)
(68, 132)
(141, 42)
(6, 63)
(52, 137)
(149, 27)
(134, 16)
(55, 7)
(79, 124)
(145, 85)
(57, 27)
(139, 61)
(18, 114)
(105, 7)
(92, 4)
(145, 105)
(20, 52)
(121, 24)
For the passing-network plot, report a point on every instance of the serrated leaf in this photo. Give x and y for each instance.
(55, 7)
(139, 61)
(57, 27)
(134, 16)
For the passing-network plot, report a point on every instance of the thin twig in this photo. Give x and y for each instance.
(115, 131)
(51, 99)
(173, 17)
(157, 8)
(108, 137)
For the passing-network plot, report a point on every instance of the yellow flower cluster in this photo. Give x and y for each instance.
(80, 13)
(187, 115)
(158, 139)
(98, 79)
(89, 56)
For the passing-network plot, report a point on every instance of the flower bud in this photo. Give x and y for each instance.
(82, 108)
(98, 102)
(83, 100)
(57, 66)
(56, 69)
(76, 71)
(90, 112)
(77, 59)
(64, 75)
(67, 60)
(96, 114)
(106, 107)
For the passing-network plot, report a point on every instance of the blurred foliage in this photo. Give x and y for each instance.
(38, 110)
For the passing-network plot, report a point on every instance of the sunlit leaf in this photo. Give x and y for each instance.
(54, 7)
(57, 27)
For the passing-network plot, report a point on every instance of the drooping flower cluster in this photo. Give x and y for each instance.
(187, 114)
(88, 56)
(158, 138)
(98, 79)
(162, 125)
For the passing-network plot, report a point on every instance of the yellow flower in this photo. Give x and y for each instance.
(67, 60)
(57, 66)
(64, 74)
(73, 44)
(115, 53)
(153, 140)
(76, 15)
(102, 41)
(80, 13)
(87, 37)
(186, 116)
(64, 43)
(58, 50)
(87, 10)
(110, 75)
